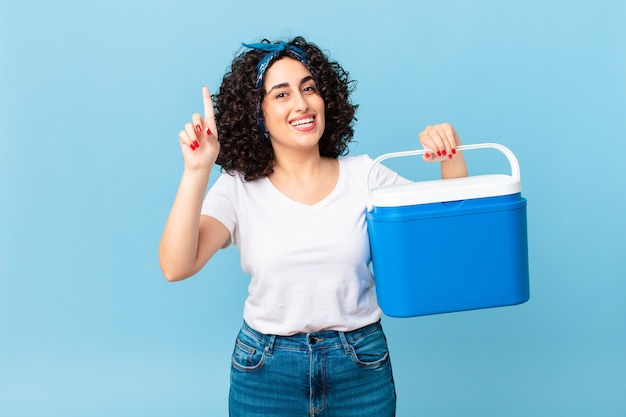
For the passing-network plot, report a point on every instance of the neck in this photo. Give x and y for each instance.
(305, 179)
(298, 164)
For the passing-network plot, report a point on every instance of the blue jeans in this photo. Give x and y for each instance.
(322, 374)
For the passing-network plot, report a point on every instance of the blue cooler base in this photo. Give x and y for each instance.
(445, 257)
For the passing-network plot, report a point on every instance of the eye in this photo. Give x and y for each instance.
(311, 89)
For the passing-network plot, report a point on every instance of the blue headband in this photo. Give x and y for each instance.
(272, 50)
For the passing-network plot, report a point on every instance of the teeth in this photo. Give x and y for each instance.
(302, 121)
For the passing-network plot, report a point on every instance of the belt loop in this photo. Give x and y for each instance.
(270, 344)
(346, 346)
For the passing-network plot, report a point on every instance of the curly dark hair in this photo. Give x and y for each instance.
(243, 147)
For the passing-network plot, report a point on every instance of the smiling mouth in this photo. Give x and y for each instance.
(307, 121)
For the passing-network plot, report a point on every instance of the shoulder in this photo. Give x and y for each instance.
(356, 162)
(362, 166)
(232, 177)
(230, 183)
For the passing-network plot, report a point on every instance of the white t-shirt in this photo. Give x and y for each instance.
(309, 264)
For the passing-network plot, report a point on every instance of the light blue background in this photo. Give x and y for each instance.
(94, 93)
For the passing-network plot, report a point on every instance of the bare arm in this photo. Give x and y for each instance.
(189, 239)
(443, 140)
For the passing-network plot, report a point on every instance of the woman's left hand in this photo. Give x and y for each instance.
(442, 140)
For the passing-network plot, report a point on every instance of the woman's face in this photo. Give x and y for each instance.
(293, 111)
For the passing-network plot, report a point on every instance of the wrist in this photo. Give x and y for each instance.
(197, 173)
(454, 167)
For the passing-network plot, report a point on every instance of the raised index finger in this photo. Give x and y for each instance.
(209, 114)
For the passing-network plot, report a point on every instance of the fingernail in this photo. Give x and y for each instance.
(454, 151)
(196, 144)
(438, 153)
(198, 128)
(427, 155)
(443, 152)
(208, 131)
(450, 156)
(193, 148)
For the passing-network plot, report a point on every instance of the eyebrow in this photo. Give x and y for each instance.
(282, 85)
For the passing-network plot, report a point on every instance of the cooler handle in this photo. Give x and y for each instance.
(515, 172)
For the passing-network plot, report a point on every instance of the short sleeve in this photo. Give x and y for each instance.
(219, 203)
(382, 176)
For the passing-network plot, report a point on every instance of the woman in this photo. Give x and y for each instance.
(311, 342)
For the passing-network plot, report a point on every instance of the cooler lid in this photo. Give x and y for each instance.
(452, 189)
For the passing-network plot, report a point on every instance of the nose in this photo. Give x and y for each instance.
(300, 102)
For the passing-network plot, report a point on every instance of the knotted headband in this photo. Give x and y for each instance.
(272, 49)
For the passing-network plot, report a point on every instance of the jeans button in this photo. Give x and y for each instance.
(313, 340)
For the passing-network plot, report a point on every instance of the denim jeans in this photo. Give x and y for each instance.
(322, 374)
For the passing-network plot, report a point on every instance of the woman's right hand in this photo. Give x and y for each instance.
(198, 141)
(189, 239)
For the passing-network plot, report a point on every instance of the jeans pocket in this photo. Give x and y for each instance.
(247, 356)
(371, 351)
